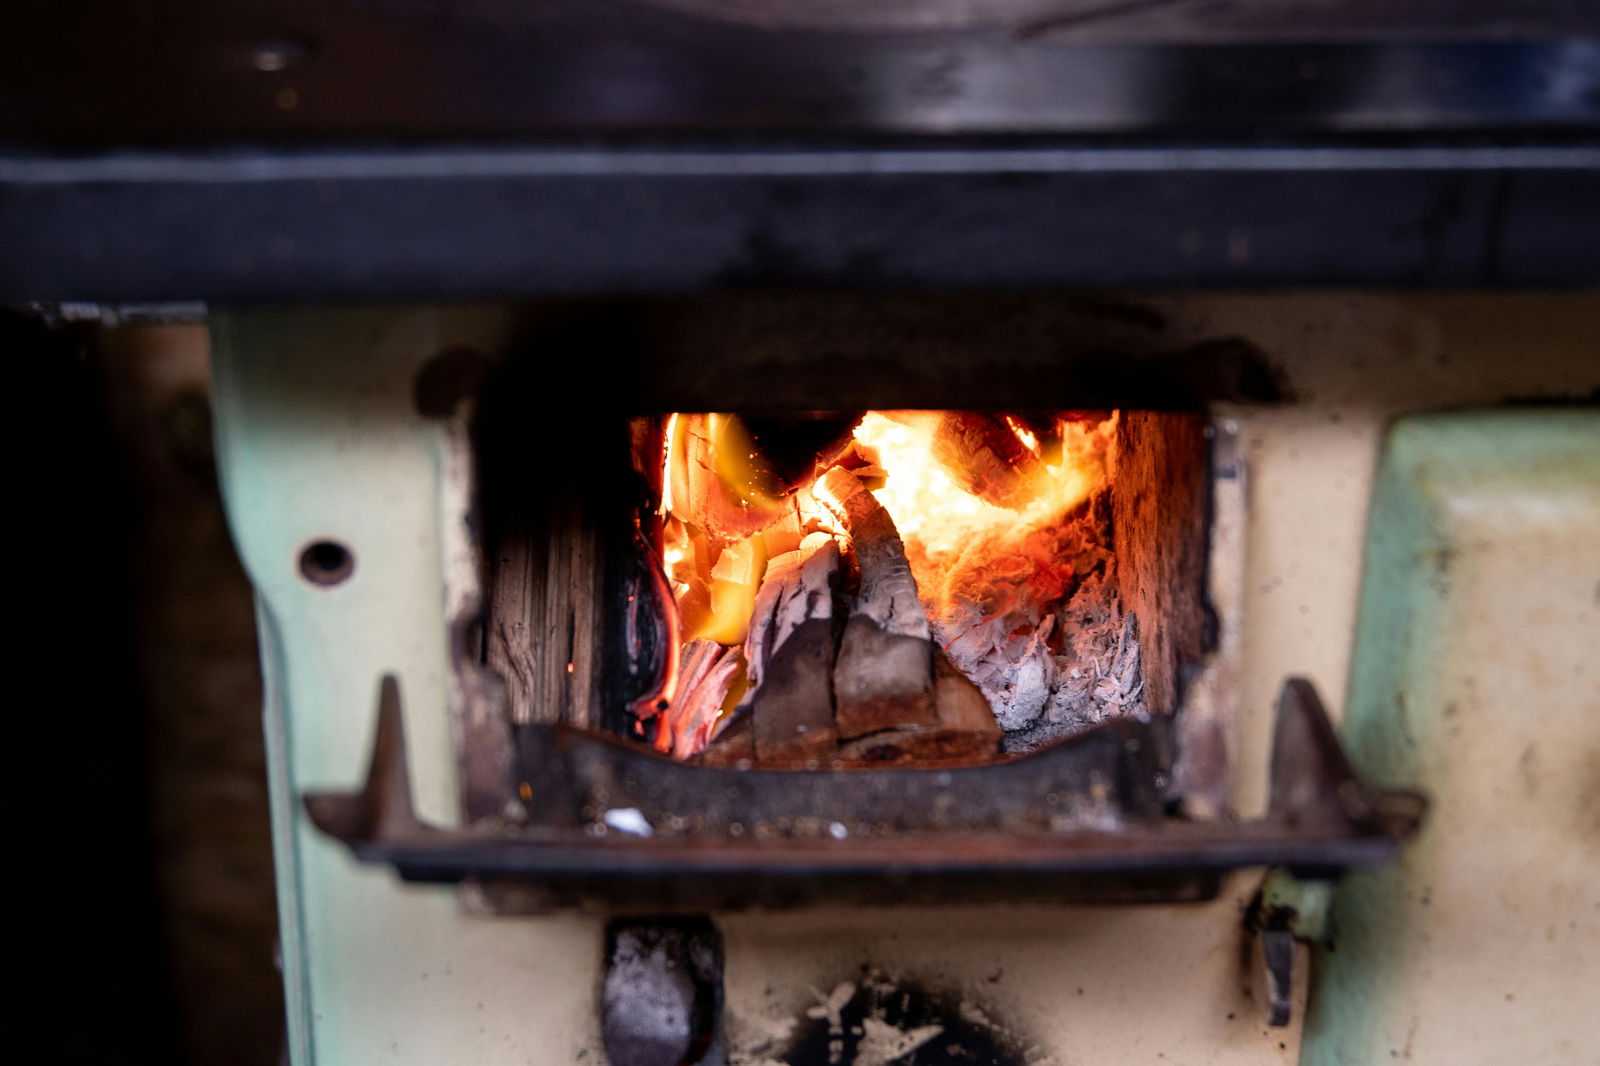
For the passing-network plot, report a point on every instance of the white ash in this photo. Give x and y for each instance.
(1038, 626)
(884, 1043)
(831, 1006)
(629, 820)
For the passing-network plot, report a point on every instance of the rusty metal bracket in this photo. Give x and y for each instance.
(608, 822)
(1284, 910)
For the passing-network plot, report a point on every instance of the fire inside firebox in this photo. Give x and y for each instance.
(872, 588)
(890, 587)
(888, 655)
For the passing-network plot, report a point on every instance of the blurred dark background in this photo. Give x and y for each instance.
(146, 931)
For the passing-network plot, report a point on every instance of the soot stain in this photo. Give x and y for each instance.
(883, 1014)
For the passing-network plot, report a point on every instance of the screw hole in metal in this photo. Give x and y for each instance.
(326, 563)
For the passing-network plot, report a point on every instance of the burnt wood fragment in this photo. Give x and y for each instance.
(965, 730)
(883, 678)
(793, 708)
(793, 640)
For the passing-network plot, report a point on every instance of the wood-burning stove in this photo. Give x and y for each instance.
(927, 152)
(552, 818)
(885, 744)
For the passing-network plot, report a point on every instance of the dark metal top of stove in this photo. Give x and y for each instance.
(186, 71)
(183, 151)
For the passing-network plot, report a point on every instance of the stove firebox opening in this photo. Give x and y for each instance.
(886, 587)
(838, 590)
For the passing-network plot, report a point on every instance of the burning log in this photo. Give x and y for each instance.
(883, 678)
(705, 672)
(966, 727)
(715, 479)
(966, 723)
(987, 457)
(790, 653)
(799, 586)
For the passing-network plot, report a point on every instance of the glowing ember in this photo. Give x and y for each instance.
(672, 444)
(1024, 434)
(940, 521)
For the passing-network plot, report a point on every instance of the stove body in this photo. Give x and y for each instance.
(1322, 204)
(1398, 415)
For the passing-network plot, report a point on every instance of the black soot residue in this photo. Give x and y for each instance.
(876, 1021)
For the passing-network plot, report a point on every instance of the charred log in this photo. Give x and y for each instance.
(799, 586)
(790, 654)
(883, 678)
(965, 730)
(793, 710)
(705, 673)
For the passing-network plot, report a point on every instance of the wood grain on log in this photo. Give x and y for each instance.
(883, 678)
(544, 613)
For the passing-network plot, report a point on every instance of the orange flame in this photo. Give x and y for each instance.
(725, 516)
(938, 520)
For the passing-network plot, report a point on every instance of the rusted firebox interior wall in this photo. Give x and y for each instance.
(556, 507)
(1158, 514)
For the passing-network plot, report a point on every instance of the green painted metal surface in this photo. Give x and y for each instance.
(1475, 678)
(317, 438)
